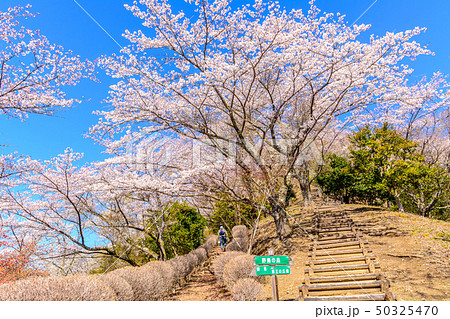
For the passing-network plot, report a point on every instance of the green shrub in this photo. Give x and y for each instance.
(184, 231)
(229, 213)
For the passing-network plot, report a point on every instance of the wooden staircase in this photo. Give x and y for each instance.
(341, 265)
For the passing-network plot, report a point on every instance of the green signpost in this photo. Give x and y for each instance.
(273, 270)
(272, 266)
(272, 260)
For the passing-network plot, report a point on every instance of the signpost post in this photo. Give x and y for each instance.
(274, 281)
(273, 266)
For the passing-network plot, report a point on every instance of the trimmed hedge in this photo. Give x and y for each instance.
(237, 268)
(246, 289)
(69, 288)
(151, 281)
(240, 239)
(121, 287)
(220, 262)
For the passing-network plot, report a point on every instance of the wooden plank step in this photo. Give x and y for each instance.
(331, 215)
(334, 240)
(333, 221)
(341, 268)
(339, 252)
(333, 229)
(367, 297)
(338, 219)
(344, 292)
(337, 236)
(339, 260)
(332, 210)
(342, 278)
(320, 246)
(334, 237)
(328, 228)
(324, 217)
(345, 285)
(341, 215)
(331, 225)
(325, 208)
(342, 272)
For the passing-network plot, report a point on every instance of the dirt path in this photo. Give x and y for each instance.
(202, 285)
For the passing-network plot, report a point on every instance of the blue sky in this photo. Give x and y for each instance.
(65, 23)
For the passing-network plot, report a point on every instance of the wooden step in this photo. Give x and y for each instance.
(334, 240)
(339, 260)
(333, 229)
(347, 288)
(320, 246)
(329, 211)
(367, 297)
(334, 224)
(370, 276)
(345, 292)
(339, 252)
(332, 219)
(335, 219)
(331, 215)
(331, 237)
(328, 208)
(341, 268)
(341, 286)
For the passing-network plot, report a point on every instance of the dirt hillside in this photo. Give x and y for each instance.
(414, 253)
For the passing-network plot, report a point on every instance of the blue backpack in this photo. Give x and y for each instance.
(221, 232)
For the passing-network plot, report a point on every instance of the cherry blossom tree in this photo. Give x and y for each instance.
(51, 201)
(33, 73)
(32, 70)
(252, 76)
(136, 189)
(6, 166)
(104, 209)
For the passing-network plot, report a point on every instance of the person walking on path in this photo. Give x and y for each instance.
(222, 237)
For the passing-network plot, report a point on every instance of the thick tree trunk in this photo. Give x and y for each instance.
(320, 192)
(399, 202)
(430, 206)
(345, 199)
(280, 218)
(162, 250)
(306, 193)
(281, 223)
(305, 183)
